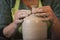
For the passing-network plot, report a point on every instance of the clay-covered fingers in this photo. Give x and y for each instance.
(19, 21)
(35, 10)
(45, 12)
(43, 15)
(20, 15)
(43, 9)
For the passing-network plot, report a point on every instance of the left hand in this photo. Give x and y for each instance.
(46, 12)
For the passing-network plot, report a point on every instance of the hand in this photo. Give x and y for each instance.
(46, 13)
(20, 15)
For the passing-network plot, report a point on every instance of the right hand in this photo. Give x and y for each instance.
(20, 15)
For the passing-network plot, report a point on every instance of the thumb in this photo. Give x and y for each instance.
(33, 10)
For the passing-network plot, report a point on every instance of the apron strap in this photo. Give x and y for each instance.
(16, 7)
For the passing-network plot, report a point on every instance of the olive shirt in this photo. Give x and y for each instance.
(7, 5)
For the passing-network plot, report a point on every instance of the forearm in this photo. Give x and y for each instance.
(10, 29)
(56, 25)
(56, 30)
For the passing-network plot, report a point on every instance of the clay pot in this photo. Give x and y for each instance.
(34, 28)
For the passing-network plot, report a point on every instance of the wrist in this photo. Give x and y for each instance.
(14, 23)
(17, 23)
(56, 21)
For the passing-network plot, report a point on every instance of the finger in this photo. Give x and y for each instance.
(20, 21)
(35, 10)
(22, 17)
(45, 19)
(43, 15)
(48, 10)
(42, 9)
(24, 13)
